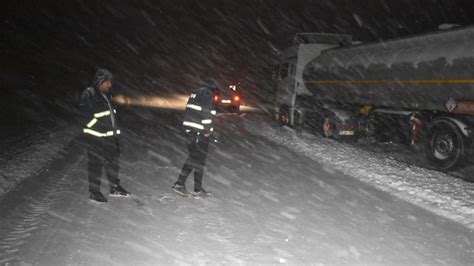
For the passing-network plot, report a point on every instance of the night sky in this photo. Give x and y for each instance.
(49, 51)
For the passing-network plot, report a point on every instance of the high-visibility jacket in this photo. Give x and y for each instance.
(100, 117)
(200, 111)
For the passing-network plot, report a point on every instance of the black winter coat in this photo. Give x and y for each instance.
(99, 117)
(200, 111)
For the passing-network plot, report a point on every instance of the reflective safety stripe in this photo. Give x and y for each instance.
(93, 132)
(100, 135)
(206, 121)
(102, 114)
(214, 112)
(92, 122)
(194, 107)
(115, 111)
(195, 125)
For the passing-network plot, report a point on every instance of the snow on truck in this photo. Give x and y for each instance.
(419, 87)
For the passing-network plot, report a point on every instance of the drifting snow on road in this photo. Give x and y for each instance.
(270, 204)
(438, 192)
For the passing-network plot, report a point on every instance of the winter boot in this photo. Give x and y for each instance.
(181, 190)
(119, 191)
(97, 196)
(201, 194)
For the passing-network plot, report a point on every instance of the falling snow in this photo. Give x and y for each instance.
(280, 195)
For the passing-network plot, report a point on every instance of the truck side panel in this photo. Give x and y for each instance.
(420, 73)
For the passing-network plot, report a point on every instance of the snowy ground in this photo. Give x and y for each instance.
(270, 204)
(30, 151)
(438, 192)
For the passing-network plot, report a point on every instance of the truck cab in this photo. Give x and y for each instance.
(292, 96)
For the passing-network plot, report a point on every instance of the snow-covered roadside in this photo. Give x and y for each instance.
(29, 153)
(438, 192)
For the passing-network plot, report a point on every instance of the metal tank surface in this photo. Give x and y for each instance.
(433, 72)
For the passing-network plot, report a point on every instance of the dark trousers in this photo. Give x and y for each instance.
(197, 148)
(102, 152)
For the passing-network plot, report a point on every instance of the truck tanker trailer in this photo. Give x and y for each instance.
(421, 85)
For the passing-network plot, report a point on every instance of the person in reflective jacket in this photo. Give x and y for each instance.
(198, 119)
(100, 129)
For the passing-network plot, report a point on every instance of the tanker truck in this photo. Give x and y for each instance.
(420, 87)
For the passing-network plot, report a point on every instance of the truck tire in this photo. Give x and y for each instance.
(445, 145)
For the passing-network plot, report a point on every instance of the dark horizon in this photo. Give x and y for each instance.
(50, 52)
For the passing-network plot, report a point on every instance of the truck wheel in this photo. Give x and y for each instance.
(445, 145)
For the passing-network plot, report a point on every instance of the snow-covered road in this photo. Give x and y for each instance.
(271, 204)
(388, 170)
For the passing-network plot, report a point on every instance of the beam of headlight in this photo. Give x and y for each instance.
(247, 109)
(176, 102)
